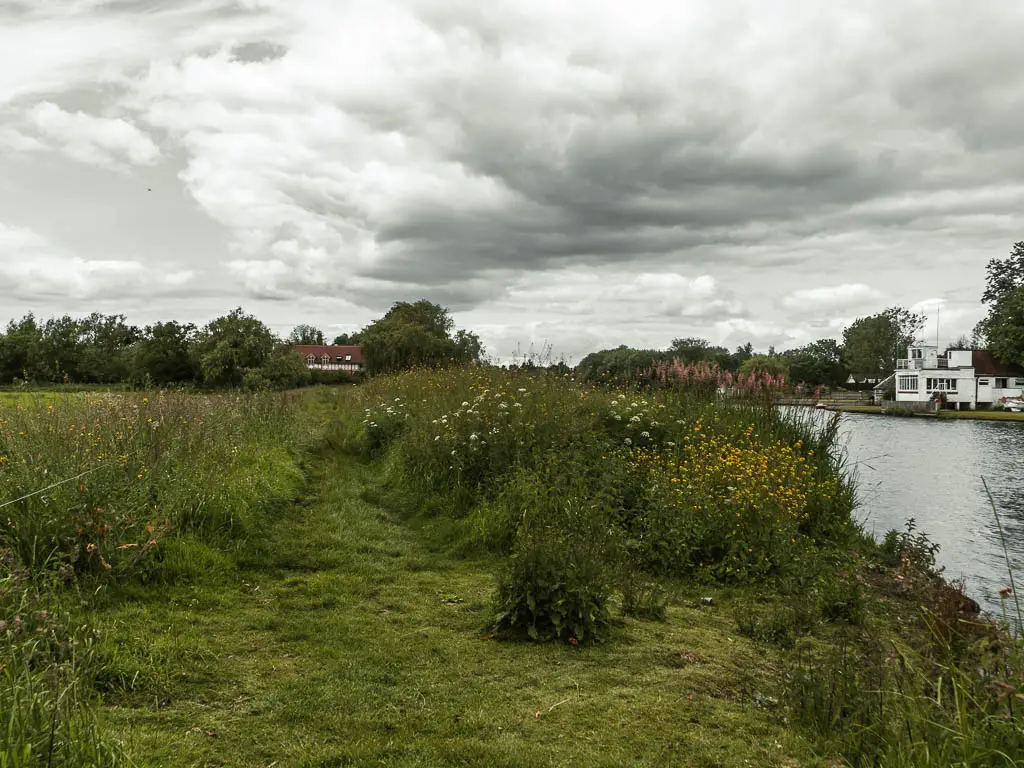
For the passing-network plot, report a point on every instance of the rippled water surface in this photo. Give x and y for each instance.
(932, 471)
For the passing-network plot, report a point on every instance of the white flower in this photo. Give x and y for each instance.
(670, 444)
(517, 405)
(503, 405)
(646, 434)
(397, 399)
(465, 404)
(474, 436)
(627, 441)
(437, 438)
(617, 417)
(634, 419)
(434, 421)
(522, 389)
(654, 423)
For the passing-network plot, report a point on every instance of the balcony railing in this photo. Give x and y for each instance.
(917, 363)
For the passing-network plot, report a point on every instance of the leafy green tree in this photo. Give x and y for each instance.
(164, 356)
(106, 348)
(285, 368)
(620, 365)
(773, 364)
(962, 342)
(1005, 328)
(60, 349)
(695, 350)
(306, 334)
(415, 334)
(20, 350)
(818, 363)
(1004, 282)
(1004, 276)
(232, 347)
(872, 345)
(346, 339)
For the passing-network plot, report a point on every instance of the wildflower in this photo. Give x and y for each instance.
(646, 435)
(436, 438)
(465, 404)
(627, 441)
(474, 437)
(1005, 592)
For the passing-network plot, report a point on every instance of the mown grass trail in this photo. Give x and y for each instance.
(348, 638)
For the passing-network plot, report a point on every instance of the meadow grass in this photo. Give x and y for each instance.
(101, 489)
(343, 577)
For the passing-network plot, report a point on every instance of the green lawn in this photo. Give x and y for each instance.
(983, 415)
(351, 639)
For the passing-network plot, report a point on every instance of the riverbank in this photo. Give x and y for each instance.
(350, 621)
(943, 414)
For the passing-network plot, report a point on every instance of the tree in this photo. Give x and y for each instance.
(416, 334)
(1004, 285)
(106, 342)
(695, 350)
(1005, 328)
(285, 368)
(1004, 276)
(620, 365)
(306, 334)
(961, 342)
(164, 354)
(771, 364)
(818, 364)
(346, 339)
(20, 348)
(231, 347)
(872, 345)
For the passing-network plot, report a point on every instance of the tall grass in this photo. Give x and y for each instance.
(688, 484)
(117, 487)
(948, 690)
(95, 483)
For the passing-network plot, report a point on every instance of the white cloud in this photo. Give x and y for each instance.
(103, 141)
(832, 297)
(607, 172)
(36, 269)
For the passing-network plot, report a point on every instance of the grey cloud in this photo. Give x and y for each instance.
(776, 150)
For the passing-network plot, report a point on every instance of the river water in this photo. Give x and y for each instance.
(932, 471)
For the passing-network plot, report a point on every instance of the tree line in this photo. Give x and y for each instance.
(234, 350)
(238, 350)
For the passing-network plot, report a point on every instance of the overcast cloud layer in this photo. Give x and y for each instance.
(581, 173)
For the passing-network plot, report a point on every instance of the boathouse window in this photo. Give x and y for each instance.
(1001, 383)
(907, 383)
(982, 382)
(941, 385)
(915, 354)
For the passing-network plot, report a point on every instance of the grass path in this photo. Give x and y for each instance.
(347, 639)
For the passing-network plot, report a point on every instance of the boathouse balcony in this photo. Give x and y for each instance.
(917, 364)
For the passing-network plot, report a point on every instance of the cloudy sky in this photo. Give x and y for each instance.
(578, 172)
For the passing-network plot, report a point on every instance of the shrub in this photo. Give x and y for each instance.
(557, 586)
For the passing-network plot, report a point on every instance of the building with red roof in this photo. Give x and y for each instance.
(331, 357)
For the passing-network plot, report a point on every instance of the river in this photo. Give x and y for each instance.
(932, 471)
